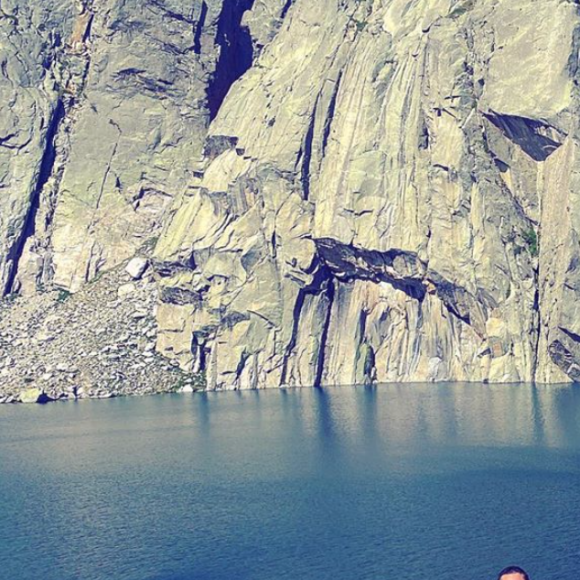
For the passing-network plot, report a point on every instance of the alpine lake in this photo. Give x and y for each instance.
(386, 482)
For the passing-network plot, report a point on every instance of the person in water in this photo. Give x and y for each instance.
(513, 573)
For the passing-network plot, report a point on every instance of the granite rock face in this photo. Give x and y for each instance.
(96, 343)
(105, 111)
(31, 37)
(340, 191)
(388, 195)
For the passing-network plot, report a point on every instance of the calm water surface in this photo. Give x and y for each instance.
(390, 482)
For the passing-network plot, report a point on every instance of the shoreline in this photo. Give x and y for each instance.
(192, 386)
(39, 397)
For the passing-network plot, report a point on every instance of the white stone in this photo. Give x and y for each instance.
(126, 290)
(136, 267)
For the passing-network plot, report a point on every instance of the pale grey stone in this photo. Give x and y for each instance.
(136, 267)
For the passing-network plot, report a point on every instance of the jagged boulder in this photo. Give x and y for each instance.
(136, 267)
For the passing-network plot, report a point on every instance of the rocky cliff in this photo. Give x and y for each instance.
(339, 191)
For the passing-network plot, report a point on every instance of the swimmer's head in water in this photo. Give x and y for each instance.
(513, 573)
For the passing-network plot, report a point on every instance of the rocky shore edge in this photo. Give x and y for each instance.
(98, 343)
(39, 396)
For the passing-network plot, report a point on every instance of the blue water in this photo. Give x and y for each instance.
(391, 482)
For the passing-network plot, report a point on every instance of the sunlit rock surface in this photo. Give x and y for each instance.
(340, 191)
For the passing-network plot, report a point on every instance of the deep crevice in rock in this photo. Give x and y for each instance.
(236, 52)
(46, 170)
(330, 115)
(199, 28)
(537, 323)
(306, 156)
(539, 140)
(572, 335)
(298, 305)
(285, 8)
(330, 291)
(403, 270)
(201, 352)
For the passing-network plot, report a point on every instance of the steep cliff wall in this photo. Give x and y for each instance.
(105, 111)
(343, 191)
(387, 195)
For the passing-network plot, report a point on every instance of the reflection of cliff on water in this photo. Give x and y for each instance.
(391, 419)
(412, 416)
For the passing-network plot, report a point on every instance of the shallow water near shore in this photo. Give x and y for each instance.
(387, 482)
